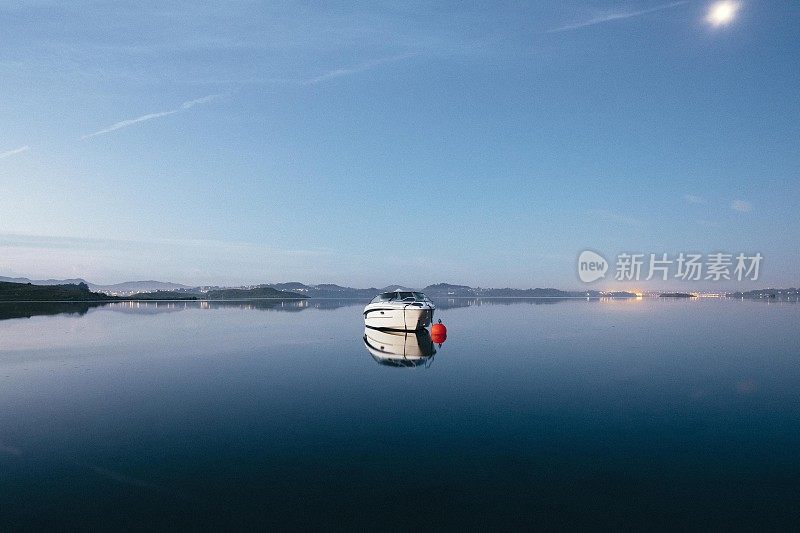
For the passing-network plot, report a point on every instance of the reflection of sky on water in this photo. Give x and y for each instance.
(9, 310)
(567, 411)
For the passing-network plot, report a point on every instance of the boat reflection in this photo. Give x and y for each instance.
(400, 348)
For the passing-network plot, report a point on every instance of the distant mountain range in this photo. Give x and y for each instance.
(80, 292)
(325, 290)
(159, 290)
(117, 289)
(68, 292)
(441, 290)
(19, 289)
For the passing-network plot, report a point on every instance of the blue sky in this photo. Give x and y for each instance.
(368, 144)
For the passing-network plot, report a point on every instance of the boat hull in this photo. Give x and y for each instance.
(401, 319)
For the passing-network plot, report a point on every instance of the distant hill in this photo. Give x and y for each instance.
(258, 292)
(160, 290)
(164, 295)
(438, 290)
(531, 293)
(133, 287)
(775, 294)
(289, 286)
(76, 292)
(325, 290)
(442, 290)
(619, 294)
(74, 281)
(70, 292)
(447, 289)
(126, 288)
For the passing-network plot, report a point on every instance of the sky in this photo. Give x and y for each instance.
(372, 143)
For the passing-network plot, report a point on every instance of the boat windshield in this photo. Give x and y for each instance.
(400, 296)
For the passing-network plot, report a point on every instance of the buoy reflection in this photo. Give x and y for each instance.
(400, 348)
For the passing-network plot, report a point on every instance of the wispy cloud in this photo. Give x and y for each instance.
(16, 151)
(150, 116)
(615, 16)
(741, 206)
(694, 199)
(613, 217)
(339, 72)
(196, 101)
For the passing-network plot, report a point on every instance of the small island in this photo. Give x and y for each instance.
(677, 295)
(769, 294)
(257, 292)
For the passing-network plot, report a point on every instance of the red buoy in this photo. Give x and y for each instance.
(438, 333)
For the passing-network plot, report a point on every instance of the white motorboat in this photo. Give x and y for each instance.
(400, 348)
(399, 310)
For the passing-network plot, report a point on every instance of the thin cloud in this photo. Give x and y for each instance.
(150, 116)
(693, 199)
(203, 100)
(615, 16)
(14, 152)
(339, 72)
(741, 206)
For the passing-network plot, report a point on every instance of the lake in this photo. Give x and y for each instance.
(644, 413)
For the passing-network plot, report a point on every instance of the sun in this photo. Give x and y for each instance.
(723, 12)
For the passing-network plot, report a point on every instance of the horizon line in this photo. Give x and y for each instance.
(639, 290)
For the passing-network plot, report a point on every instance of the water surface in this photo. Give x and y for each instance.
(631, 413)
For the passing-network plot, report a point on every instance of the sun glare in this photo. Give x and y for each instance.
(723, 12)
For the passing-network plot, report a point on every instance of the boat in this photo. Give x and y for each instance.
(400, 348)
(399, 310)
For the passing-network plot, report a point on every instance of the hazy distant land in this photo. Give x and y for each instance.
(117, 289)
(773, 294)
(78, 290)
(258, 292)
(68, 292)
(74, 290)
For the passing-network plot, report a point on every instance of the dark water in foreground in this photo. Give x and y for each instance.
(646, 414)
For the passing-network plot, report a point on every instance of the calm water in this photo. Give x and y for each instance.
(644, 414)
